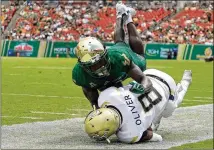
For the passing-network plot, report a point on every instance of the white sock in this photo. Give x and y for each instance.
(119, 16)
(181, 91)
(185, 84)
(129, 19)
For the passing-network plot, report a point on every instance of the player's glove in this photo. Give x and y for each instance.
(156, 138)
(137, 88)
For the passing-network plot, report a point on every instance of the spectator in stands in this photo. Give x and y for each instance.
(169, 54)
(67, 20)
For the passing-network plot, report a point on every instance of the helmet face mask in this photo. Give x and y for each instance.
(102, 123)
(98, 69)
(93, 57)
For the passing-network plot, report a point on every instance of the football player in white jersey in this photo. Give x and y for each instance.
(133, 116)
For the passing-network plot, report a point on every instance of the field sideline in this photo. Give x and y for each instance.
(41, 89)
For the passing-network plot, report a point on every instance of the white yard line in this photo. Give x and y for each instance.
(202, 91)
(43, 67)
(52, 113)
(39, 83)
(33, 118)
(50, 96)
(14, 74)
(79, 109)
(197, 100)
(42, 83)
(162, 67)
(203, 97)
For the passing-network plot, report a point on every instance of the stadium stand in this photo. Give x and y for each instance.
(7, 13)
(70, 20)
(191, 25)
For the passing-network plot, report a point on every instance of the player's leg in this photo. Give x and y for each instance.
(169, 100)
(119, 33)
(135, 41)
(183, 86)
(180, 92)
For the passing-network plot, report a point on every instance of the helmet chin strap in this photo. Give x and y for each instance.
(108, 140)
(103, 71)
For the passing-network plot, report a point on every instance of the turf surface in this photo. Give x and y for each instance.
(205, 145)
(43, 90)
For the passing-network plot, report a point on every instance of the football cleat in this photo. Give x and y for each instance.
(130, 11)
(187, 76)
(120, 9)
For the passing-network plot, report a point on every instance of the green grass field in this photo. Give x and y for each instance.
(42, 89)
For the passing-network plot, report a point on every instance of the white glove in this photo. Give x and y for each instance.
(156, 138)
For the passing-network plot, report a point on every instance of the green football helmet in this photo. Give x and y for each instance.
(93, 57)
(102, 123)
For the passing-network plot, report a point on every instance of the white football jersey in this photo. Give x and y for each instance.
(137, 112)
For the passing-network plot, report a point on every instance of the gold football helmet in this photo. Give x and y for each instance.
(102, 123)
(93, 57)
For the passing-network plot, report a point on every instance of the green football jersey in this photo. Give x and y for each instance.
(121, 57)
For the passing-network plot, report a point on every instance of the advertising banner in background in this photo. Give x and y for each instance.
(161, 51)
(21, 48)
(67, 49)
(61, 49)
(200, 51)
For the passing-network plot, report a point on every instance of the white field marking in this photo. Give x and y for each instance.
(51, 113)
(78, 109)
(65, 97)
(42, 83)
(44, 67)
(186, 103)
(34, 118)
(204, 97)
(28, 75)
(163, 67)
(14, 74)
(197, 100)
(201, 91)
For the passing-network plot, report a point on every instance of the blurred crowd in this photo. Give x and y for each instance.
(7, 13)
(194, 25)
(69, 20)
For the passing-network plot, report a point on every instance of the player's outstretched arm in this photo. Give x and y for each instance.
(136, 74)
(92, 95)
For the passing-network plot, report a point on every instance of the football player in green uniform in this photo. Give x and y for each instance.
(99, 68)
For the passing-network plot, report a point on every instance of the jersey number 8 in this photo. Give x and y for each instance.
(152, 98)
